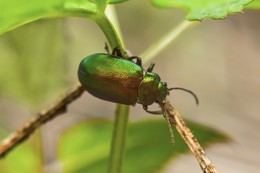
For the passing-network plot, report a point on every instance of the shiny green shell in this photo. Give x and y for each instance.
(119, 80)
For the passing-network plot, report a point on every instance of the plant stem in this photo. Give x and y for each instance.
(110, 33)
(122, 111)
(118, 140)
(112, 16)
(157, 47)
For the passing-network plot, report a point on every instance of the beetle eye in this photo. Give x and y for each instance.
(164, 84)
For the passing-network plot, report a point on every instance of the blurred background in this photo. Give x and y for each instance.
(218, 60)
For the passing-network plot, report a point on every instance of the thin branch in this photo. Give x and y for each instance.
(43, 116)
(60, 107)
(177, 121)
(166, 40)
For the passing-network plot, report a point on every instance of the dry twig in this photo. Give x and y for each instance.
(172, 116)
(177, 121)
(44, 116)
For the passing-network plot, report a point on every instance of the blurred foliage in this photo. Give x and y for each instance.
(85, 147)
(23, 159)
(32, 62)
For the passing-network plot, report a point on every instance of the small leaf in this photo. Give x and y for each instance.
(18, 12)
(85, 148)
(200, 9)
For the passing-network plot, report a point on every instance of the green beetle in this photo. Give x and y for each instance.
(112, 78)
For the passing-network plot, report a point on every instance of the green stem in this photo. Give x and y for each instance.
(160, 45)
(110, 33)
(112, 16)
(118, 140)
(122, 111)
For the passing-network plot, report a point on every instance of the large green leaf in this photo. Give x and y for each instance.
(32, 62)
(22, 159)
(200, 9)
(17, 12)
(85, 148)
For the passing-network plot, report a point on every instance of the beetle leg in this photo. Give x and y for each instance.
(151, 112)
(167, 119)
(116, 52)
(150, 68)
(138, 60)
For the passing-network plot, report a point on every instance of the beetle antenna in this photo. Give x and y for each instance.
(189, 91)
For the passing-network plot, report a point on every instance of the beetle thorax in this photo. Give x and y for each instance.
(151, 89)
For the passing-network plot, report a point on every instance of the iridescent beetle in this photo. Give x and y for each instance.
(112, 78)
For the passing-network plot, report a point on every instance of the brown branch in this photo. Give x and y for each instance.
(43, 116)
(177, 121)
(172, 116)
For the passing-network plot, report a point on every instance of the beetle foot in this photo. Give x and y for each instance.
(152, 112)
(117, 52)
(138, 60)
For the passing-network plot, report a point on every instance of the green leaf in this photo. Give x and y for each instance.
(200, 9)
(23, 159)
(18, 12)
(254, 5)
(85, 148)
(32, 62)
